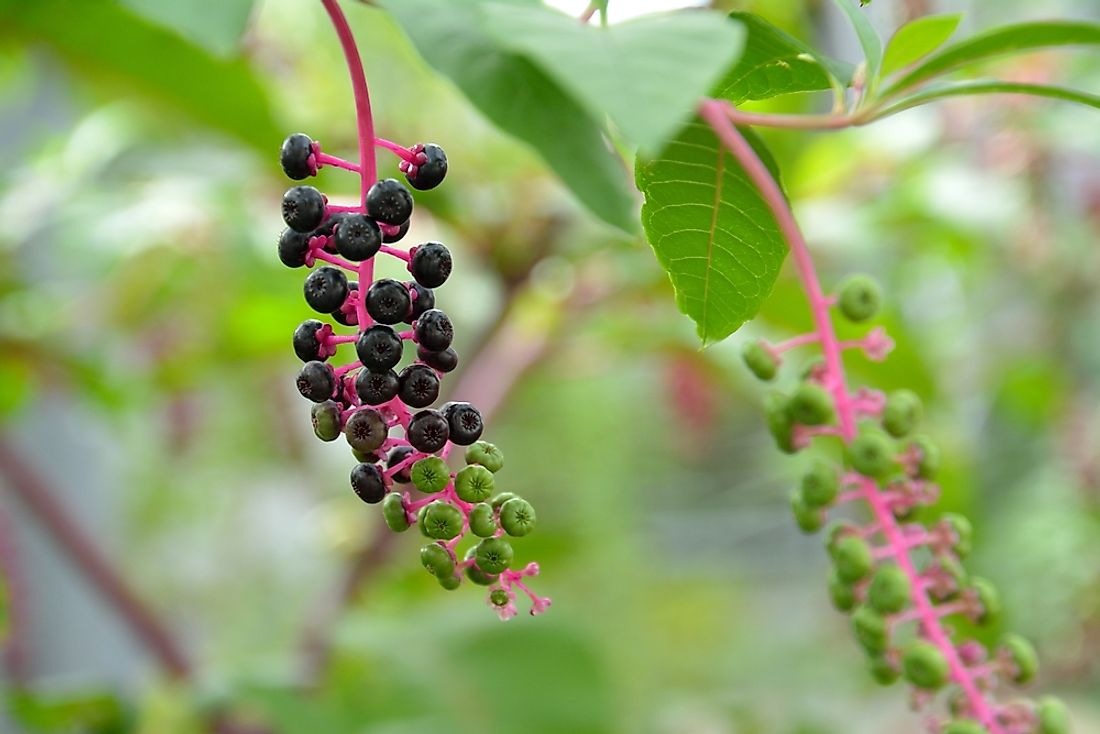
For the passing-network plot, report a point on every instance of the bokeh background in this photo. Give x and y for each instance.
(146, 384)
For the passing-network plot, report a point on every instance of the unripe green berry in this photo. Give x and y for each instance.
(809, 519)
(989, 599)
(485, 454)
(437, 560)
(889, 590)
(499, 598)
(442, 521)
(870, 630)
(326, 420)
(965, 726)
(883, 671)
(474, 483)
(450, 582)
(820, 485)
(871, 453)
(843, 595)
(760, 361)
(810, 405)
(364, 457)
(1025, 660)
(474, 573)
(836, 532)
(956, 571)
(517, 517)
(852, 558)
(780, 423)
(482, 523)
(430, 474)
(393, 512)
(1053, 717)
(860, 298)
(902, 413)
(493, 555)
(925, 666)
(501, 498)
(963, 531)
(929, 462)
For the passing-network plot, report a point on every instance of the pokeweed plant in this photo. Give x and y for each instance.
(719, 223)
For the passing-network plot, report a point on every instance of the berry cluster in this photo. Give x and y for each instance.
(370, 398)
(901, 581)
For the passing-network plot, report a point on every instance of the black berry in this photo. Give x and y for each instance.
(316, 381)
(375, 388)
(464, 421)
(365, 430)
(366, 480)
(398, 235)
(326, 289)
(424, 301)
(389, 201)
(444, 361)
(399, 454)
(388, 301)
(430, 173)
(349, 317)
(419, 386)
(303, 208)
(357, 238)
(434, 330)
(305, 341)
(295, 154)
(431, 264)
(293, 247)
(428, 431)
(379, 348)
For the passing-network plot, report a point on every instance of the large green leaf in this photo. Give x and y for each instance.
(868, 37)
(521, 99)
(1000, 41)
(216, 25)
(915, 40)
(955, 89)
(106, 42)
(775, 63)
(710, 229)
(647, 75)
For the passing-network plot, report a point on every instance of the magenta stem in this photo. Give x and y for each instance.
(794, 342)
(338, 261)
(331, 160)
(401, 254)
(402, 152)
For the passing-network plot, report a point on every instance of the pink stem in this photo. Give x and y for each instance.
(402, 152)
(396, 253)
(330, 258)
(331, 160)
(337, 208)
(794, 342)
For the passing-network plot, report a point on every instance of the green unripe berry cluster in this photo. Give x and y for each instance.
(902, 413)
(925, 666)
(871, 453)
(760, 361)
(860, 298)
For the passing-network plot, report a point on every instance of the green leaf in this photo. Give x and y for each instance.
(1000, 41)
(954, 89)
(521, 100)
(216, 25)
(868, 37)
(647, 75)
(106, 42)
(913, 41)
(711, 230)
(775, 63)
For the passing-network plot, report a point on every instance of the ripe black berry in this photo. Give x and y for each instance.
(303, 208)
(349, 318)
(402, 230)
(464, 421)
(434, 330)
(316, 381)
(430, 173)
(379, 348)
(365, 430)
(366, 480)
(295, 154)
(431, 264)
(357, 238)
(444, 361)
(428, 431)
(293, 247)
(388, 301)
(396, 456)
(305, 341)
(375, 388)
(326, 289)
(419, 386)
(390, 202)
(424, 301)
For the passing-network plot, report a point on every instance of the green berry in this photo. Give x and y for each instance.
(482, 522)
(860, 298)
(501, 498)
(326, 420)
(450, 582)
(820, 485)
(474, 483)
(810, 405)
(485, 454)
(836, 532)
(870, 630)
(442, 521)
(760, 361)
(780, 423)
(1025, 660)
(902, 413)
(871, 453)
(437, 559)
(889, 590)
(1053, 717)
(883, 671)
(852, 557)
(499, 598)
(989, 599)
(843, 595)
(965, 726)
(928, 462)
(517, 517)
(925, 666)
(393, 512)
(956, 571)
(430, 474)
(963, 531)
(493, 555)
(364, 457)
(474, 573)
(809, 519)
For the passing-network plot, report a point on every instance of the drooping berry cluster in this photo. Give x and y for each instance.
(383, 409)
